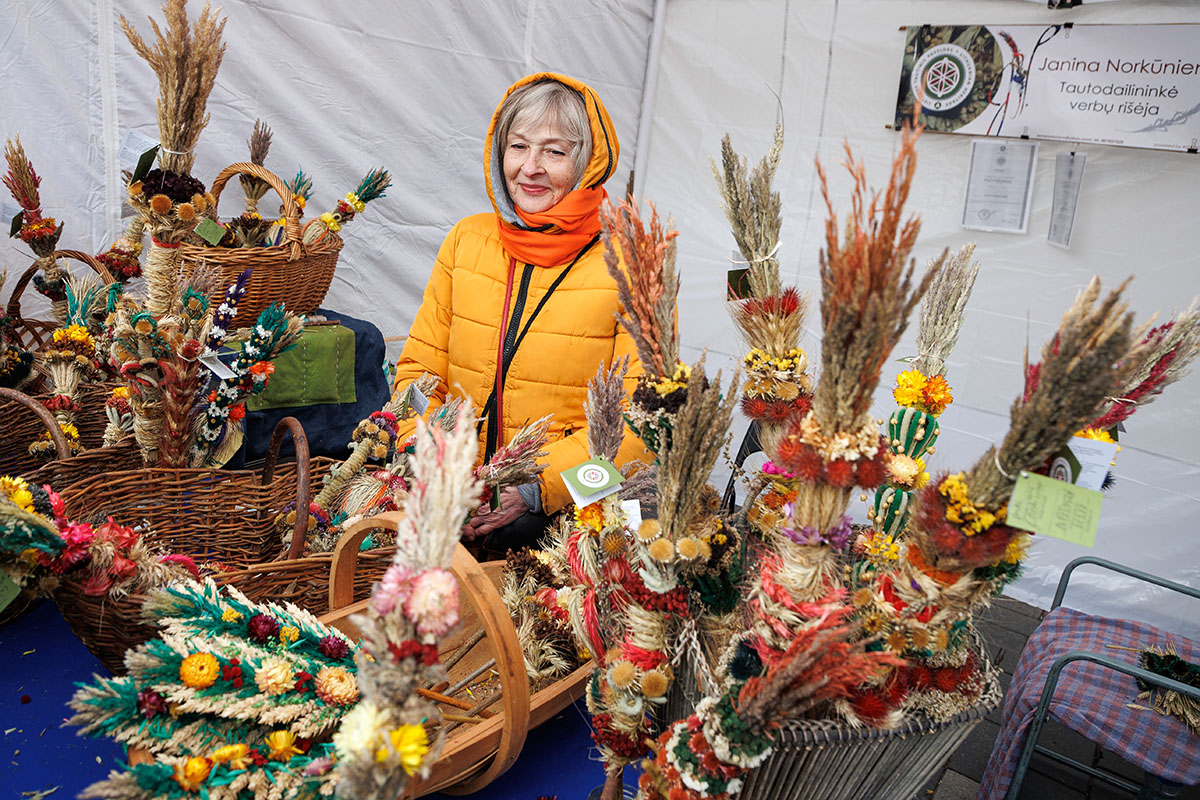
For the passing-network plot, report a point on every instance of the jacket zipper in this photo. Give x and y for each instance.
(510, 326)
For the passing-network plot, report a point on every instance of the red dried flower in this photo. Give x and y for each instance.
(334, 647)
(263, 628)
(839, 473)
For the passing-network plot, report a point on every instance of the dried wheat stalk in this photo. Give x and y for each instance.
(754, 211)
(647, 286)
(942, 311)
(186, 62)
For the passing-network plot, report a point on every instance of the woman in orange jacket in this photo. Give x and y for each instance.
(526, 287)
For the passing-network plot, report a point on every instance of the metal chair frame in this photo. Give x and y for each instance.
(1039, 719)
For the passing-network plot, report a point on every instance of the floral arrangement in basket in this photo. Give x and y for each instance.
(233, 699)
(41, 548)
(169, 201)
(41, 233)
(177, 419)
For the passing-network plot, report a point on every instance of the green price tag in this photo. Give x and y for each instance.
(8, 591)
(591, 480)
(907, 359)
(144, 163)
(1054, 508)
(211, 231)
(17, 222)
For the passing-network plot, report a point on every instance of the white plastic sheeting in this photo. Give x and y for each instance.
(410, 86)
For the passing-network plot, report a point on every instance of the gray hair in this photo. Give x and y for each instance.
(552, 103)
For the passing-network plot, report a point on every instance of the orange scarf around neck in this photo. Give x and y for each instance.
(564, 229)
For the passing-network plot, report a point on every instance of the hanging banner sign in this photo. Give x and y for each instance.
(1126, 85)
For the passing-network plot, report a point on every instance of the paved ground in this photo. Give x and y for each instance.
(1005, 627)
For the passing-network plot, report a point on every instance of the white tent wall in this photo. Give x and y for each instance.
(409, 86)
(834, 66)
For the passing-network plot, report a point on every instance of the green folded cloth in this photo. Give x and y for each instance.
(318, 370)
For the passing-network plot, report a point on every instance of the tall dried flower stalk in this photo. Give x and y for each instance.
(259, 144)
(942, 311)
(606, 395)
(648, 285)
(186, 61)
(867, 289)
(40, 233)
(1168, 350)
(1091, 353)
(753, 209)
(700, 431)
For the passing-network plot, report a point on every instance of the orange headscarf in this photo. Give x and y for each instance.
(556, 235)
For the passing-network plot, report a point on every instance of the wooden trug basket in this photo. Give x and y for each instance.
(474, 755)
(288, 272)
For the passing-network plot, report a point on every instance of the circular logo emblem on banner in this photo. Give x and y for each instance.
(592, 477)
(943, 77)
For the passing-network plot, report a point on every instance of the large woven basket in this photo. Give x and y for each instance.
(829, 760)
(33, 334)
(223, 516)
(289, 272)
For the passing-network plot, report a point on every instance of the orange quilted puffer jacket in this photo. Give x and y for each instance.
(456, 333)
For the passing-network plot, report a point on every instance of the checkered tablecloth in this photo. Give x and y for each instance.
(1093, 700)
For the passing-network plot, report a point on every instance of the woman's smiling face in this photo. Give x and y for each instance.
(538, 168)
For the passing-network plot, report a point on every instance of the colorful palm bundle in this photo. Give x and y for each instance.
(218, 429)
(1168, 350)
(40, 233)
(383, 742)
(122, 258)
(770, 318)
(371, 187)
(648, 286)
(39, 545)
(234, 699)
(922, 394)
(629, 597)
(958, 549)
(70, 358)
(530, 593)
(185, 59)
(867, 295)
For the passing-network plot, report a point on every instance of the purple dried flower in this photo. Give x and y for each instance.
(151, 703)
(334, 647)
(263, 628)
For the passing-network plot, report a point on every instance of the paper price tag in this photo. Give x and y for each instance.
(210, 231)
(633, 514)
(134, 145)
(417, 400)
(217, 367)
(1083, 462)
(591, 481)
(8, 591)
(737, 283)
(17, 222)
(1054, 508)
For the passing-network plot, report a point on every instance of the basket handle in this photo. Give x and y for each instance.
(14, 301)
(56, 434)
(291, 209)
(303, 470)
(345, 555)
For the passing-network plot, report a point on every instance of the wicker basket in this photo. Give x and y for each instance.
(830, 760)
(22, 420)
(33, 334)
(298, 276)
(227, 516)
(62, 472)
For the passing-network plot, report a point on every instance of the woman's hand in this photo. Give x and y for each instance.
(512, 506)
